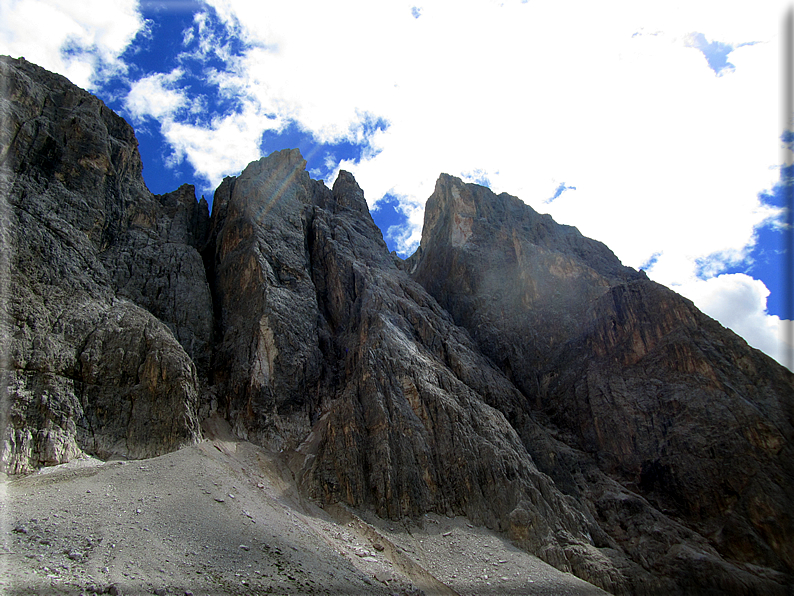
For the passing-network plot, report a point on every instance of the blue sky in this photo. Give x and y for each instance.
(653, 127)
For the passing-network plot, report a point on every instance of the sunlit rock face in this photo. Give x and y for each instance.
(519, 282)
(267, 359)
(666, 400)
(512, 371)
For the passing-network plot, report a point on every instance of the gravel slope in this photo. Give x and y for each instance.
(223, 517)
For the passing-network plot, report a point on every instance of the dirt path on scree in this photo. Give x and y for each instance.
(224, 517)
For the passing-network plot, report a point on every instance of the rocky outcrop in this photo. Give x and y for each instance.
(155, 263)
(328, 349)
(676, 408)
(88, 368)
(520, 283)
(511, 371)
(267, 361)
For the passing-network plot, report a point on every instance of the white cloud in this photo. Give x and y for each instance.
(156, 96)
(223, 147)
(79, 40)
(739, 302)
(407, 237)
(220, 147)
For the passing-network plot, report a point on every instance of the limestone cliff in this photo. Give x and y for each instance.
(511, 371)
(92, 357)
(665, 400)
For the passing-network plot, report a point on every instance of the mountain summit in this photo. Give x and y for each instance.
(511, 371)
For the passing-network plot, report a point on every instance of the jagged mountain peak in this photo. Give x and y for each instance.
(349, 194)
(460, 214)
(611, 358)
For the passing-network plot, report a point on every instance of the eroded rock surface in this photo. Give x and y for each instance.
(88, 366)
(673, 406)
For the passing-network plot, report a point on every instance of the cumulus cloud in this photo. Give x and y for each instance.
(222, 147)
(216, 147)
(157, 96)
(406, 237)
(81, 40)
(739, 302)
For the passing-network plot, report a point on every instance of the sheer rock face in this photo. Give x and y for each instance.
(667, 401)
(86, 366)
(267, 361)
(521, 283)
(519, 375)
(330, 351)
(155, 263)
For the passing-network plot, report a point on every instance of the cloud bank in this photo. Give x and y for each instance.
(739, 302)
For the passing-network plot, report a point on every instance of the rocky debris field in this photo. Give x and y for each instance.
(475, 561)
(224, 517)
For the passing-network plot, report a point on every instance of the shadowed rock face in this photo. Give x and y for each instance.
(512, 370)
(665, 400)
(328, 349)
(102, 282)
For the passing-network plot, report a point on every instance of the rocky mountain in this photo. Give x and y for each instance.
(512, 370)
